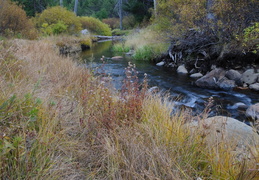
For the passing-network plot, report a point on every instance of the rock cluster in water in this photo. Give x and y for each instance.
(226, 80)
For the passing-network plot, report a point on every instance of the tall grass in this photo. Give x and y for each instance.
(146, 42)
(58, 121)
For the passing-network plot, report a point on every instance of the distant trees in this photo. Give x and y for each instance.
(140, 9)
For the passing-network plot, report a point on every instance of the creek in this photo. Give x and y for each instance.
(180, 87)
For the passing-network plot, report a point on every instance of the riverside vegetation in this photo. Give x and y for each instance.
(59, 121)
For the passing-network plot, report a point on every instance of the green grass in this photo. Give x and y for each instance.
(120, 47)
(149, 52)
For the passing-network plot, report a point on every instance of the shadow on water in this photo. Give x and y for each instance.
(180, 87)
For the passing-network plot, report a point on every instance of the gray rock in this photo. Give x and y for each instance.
(254, 87)
(211, 79)
(249, 76)
(253, 111)
(241, 105)
(84, 32)
(182, 70)
(226, 84)
(196, 75)
(234, 75)
(225, 129)
(160, 63)
(130, 53)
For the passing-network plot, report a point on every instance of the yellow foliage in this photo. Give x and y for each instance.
(55, 15)
(95, 26)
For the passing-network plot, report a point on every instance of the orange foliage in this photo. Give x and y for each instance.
(13, 20)
(114, 23)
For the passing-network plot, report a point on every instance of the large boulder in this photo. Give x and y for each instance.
(182, 70)
(211, 79)
(226, 84)
(249, 76)
(253, 111)
(226, 130)
(254, 87)
(234, 75)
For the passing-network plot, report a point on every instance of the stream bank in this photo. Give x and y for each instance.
(181, 87)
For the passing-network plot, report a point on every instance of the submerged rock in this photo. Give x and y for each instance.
(239, 105)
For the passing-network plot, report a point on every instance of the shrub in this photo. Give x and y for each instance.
(129, 22)
(251, 35)
(13, 21)
(95, 26)
(112, 22)
(56, 20)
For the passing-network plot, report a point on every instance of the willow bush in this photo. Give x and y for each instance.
(57, 20)
(95, 26)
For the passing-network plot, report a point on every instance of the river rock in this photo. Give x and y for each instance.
(117, 58)
(225, 129)
(226, 84)
(160, 63)
(249, 76)
(196, 75)
(253, 111)
(130, 53)
(211, 79)
(254, 87)
(182, 70)
(84, 32)
(240, 105)
(234, 75)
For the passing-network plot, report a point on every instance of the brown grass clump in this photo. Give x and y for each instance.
(69, 125)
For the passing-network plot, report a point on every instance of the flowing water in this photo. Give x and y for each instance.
(180, 87)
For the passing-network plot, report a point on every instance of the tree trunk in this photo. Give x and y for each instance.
(75, 8)
(155, 8)
(120, 14)
(61, 3)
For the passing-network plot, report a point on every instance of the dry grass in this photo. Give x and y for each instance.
(85, 130)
